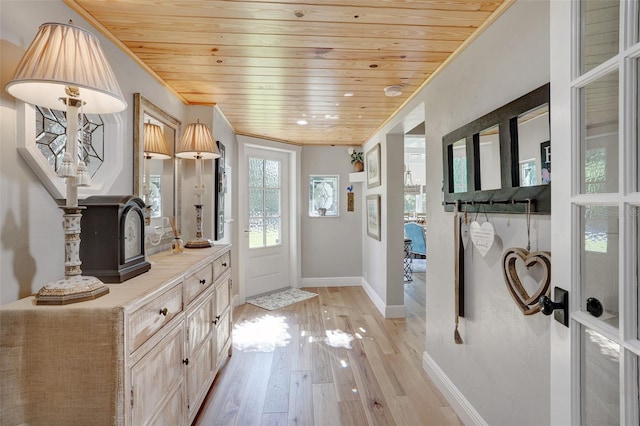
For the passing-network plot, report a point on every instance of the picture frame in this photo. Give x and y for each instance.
(373, 169)
(220, 190)
(373, 217)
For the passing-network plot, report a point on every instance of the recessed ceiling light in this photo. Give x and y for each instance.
(394, 90)
(348, 94)
(302, 122)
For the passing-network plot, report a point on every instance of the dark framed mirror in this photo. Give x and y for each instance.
(502, 159)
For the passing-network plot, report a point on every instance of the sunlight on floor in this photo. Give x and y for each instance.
(338, 339)
(262, 334)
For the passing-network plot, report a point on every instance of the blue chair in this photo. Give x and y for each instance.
(415, 233)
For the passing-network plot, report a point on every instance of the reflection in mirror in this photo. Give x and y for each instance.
(490, 176)
(156, 171)
(459, 156)
(534, 147)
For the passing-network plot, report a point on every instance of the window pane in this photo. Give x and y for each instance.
(459, 151)
(323, 196)
(272, 231)
(599, 136)
(271, 174)
(256, 172)
(256, 233)
(600, 388)
(599, 259)
(272, 202)
(256, 202)
(600, 38)
(490, 159)
(534, 147)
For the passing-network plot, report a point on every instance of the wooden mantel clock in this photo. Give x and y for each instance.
(112, 238)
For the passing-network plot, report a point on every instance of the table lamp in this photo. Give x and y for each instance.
(197, 143)
(65, 68)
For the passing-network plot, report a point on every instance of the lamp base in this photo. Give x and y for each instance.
(71, 290)
(199, 243)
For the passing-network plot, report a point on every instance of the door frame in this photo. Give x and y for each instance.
(294, 153)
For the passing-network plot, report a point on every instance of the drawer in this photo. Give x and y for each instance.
(196, 282)
(149, 318)
(221, 265)
(223, 291)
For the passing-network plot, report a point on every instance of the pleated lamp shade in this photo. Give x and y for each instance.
(155, 145)
(62, 56)
(197, 142)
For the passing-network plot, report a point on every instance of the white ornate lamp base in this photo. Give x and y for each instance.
(71, 290)
(199, 242)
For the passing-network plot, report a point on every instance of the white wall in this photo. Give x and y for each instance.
(331, 247)
(28, 214)
(501, 372)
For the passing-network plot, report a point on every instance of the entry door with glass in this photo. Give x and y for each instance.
(267, 222)
(595, 58)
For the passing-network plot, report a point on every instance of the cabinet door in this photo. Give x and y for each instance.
(223, 337)
(157, 380)
(200, 352)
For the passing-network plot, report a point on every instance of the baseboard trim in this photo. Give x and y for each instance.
(332, 282)
(452, 394)
(391, 311)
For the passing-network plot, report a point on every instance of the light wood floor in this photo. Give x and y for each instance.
(299, 378)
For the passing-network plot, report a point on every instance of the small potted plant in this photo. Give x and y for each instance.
(357, 159)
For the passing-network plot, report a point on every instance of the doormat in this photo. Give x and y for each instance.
(281, 298)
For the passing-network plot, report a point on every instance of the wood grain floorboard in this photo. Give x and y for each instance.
(340, 363)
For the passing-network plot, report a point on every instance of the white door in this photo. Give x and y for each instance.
(595, 215)
(267, 235)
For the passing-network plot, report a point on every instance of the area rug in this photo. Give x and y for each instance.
(281, 298)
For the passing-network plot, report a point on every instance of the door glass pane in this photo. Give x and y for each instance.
(599, 39)
(599, 261)
(600, 387)
(599, 136)
(256, 202)
(490, 159)
(459, 154)
(256, 233)
(272, 174)
(264, 202)
(272, 228)
(256, 172)
(272, 202)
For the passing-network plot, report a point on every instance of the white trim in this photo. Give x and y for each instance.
(463, 408)
(237, 300)
(387, 311)
(332, 282)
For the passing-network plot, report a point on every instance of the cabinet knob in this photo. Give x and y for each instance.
(224, 264)
(164, 311)
(185, 361)
(202, 281)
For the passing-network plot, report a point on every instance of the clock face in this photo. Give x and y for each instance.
(132, 235)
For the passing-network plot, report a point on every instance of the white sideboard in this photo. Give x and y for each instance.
(146, 353)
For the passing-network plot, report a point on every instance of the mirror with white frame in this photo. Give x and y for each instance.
(163, 193)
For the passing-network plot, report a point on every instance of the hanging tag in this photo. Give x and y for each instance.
(482, 236)
(464, 233)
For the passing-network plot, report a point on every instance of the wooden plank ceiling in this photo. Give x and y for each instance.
(269, 63)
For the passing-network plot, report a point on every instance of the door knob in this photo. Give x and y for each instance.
(594, 307)
(559, 308)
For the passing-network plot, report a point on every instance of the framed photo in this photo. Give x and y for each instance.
(372, 160)
(373, 216)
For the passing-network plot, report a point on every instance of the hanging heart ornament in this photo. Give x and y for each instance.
(527, 303)
(482, 236)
